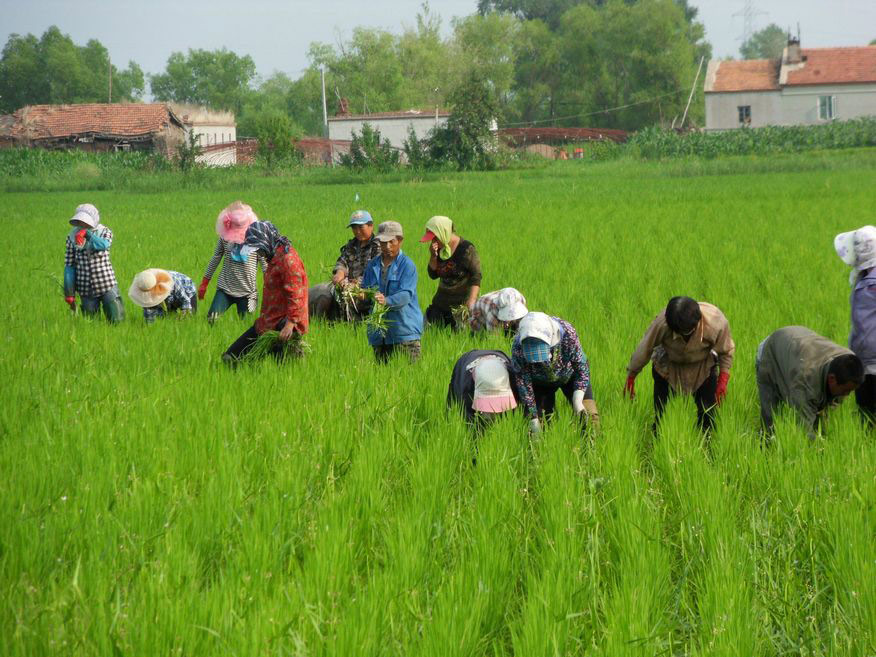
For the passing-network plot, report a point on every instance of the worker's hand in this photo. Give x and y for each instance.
(80, 237)
(339, 277)
(435, 247)
(578, 402)
(185, 312)
(630, 387)
(202, 288)
(379, 298)
(353, 281)
(721, 390)
(534, 427)
(70, 301)
(287, 331)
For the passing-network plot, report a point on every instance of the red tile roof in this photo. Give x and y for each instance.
(407, 114)
(746, 75)
(120, 120)
(855, 65)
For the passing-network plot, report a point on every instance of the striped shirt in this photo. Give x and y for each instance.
(237, 279)
(94, 271)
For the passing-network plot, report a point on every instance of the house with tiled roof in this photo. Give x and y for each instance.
(95, 127)
(807, 86)
(393, 126)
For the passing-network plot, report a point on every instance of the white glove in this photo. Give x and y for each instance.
(534, 427)
(578, 402)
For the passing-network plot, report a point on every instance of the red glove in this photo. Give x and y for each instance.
(630, 387)
(202, 290)
(721, 390)
(80, 237)
(70, 301)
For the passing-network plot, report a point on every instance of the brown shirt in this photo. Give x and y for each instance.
(686, 365)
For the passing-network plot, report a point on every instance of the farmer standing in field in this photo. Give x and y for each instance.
(87, 266)
(457, 266)
(160, 291)
(284, 293)
(546, 356)
(502, 309)
(481, 385)
(394, 275)
(806, 371)
(858, 249)
(237, 280)
(327, 299)
(691, 352)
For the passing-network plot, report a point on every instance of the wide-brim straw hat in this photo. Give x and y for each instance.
(150, 287)
(232, 222)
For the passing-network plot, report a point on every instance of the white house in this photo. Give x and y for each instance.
(216, 132)
(805, 87)
(393, 126)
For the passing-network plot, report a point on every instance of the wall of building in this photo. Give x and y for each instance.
(212, 134)
(393, 129)
(800, 104)
(722, 109)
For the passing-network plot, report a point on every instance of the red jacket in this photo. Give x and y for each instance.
(284, 294)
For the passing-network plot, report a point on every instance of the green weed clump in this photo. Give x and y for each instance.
(154, 501)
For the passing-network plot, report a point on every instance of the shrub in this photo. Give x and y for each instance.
(367, 152)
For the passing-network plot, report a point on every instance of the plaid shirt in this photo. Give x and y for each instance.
(284, 294)
(94, 271)
(485, 309)
(354, 256)
(567, 364)
(180, 297)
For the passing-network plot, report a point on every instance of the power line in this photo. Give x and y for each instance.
(748, 13)
(602, 111)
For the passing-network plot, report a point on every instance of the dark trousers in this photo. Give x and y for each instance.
(411, 348)
(439, 317)
(704, 396)
(223, 301)
(245, 342)
(111, 301)
(546, 396)
(865, 396)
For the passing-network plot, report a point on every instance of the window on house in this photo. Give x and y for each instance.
(744, 114)
(826, 108)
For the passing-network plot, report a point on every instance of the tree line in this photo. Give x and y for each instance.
(600, 63)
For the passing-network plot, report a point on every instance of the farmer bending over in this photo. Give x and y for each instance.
(481, 385)
(502, 309)
(284, 293)
(806, 371)
(691, 352)
(87, 266)
(160, 291)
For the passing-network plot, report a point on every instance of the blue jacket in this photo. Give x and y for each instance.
(862, 339)
(405, 319)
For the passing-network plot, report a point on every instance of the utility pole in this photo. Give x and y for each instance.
(110, 69)
(324, 109)
(748, 13)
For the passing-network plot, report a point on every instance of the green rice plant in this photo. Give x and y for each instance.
(269, 343)
(351, 295)
(461, 315)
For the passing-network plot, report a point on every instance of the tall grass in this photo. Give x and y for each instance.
(156, 502)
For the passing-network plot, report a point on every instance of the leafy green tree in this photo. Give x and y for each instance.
(547, 11)
(767, 43)
(219, 79)
(275, 133)
(466, 140)
(483, 48)
(54, 70)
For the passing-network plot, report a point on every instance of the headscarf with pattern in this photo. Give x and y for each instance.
(264, 237)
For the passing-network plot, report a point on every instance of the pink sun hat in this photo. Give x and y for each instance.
(232, 222)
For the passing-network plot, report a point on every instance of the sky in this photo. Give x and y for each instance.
(277, 33)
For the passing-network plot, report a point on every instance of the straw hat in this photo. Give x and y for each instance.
(150, 287)
(232, 222)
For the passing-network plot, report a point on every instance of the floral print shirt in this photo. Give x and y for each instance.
(284, 294)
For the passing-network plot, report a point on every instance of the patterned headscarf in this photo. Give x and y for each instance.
(264, 237)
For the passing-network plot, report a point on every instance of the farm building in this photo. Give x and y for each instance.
(393, 126)
(215, 131)
(806, 86)
(94, 127)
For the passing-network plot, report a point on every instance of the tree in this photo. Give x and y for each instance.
(767, 43)
(466, 140)
(483, 48)
(219, 79)
(53, 69)
(275, 133)
(368, 152)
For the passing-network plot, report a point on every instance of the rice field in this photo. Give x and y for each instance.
(154, 502)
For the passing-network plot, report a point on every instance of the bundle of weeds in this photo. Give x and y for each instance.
(351, 295)
(461, 315)
(269, 343)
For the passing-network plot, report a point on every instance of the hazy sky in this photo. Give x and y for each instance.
(276, 33)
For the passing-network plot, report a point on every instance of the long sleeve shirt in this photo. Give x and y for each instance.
(180, 297)
(567, 364)
(792, 369)
(284, 294)
(355, 256)
(398, 283)
(862, 339)
(457, 275)
(94, 272)
(237, 279)
(462, 386)
(686, 364)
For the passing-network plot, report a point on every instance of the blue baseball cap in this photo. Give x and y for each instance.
(360, 217)
(535, 350)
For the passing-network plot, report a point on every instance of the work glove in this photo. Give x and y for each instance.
(80, 237)
(534, 427)
(630, 387)
(721, 390)
(578, 402)
(70, 301)
(202, 288)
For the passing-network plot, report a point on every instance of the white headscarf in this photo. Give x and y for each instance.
(858, 249)
(540, 326)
